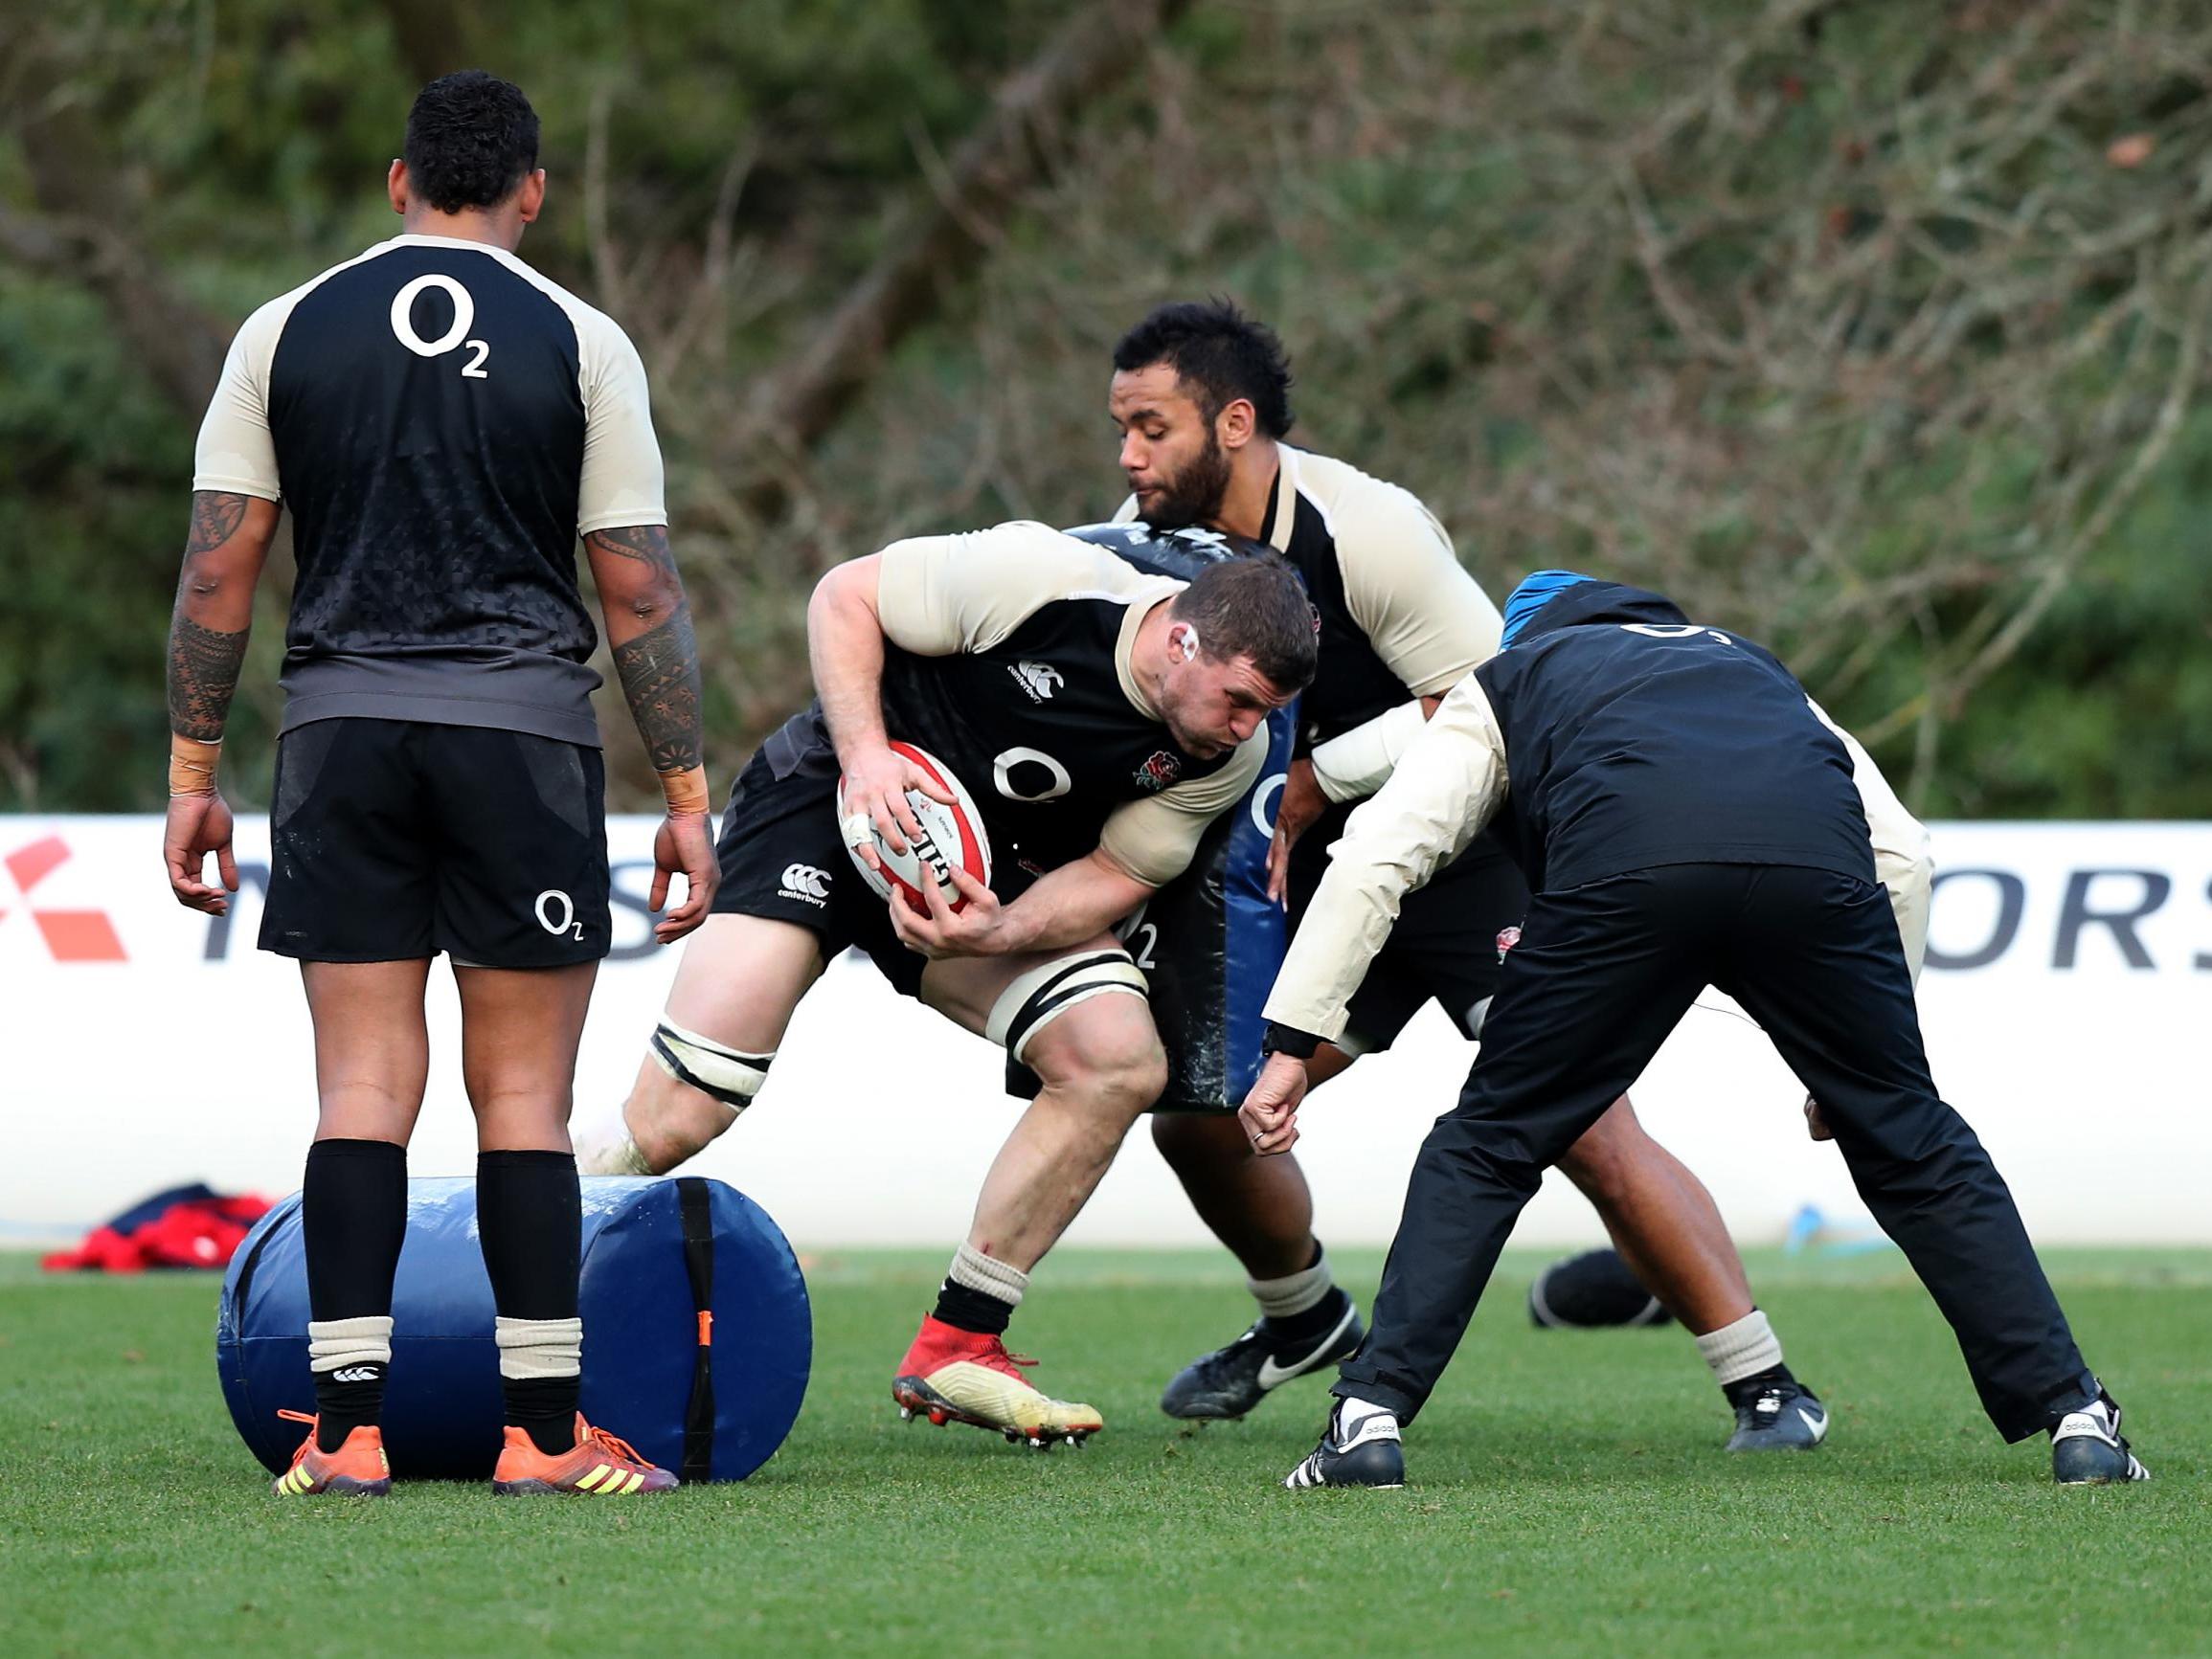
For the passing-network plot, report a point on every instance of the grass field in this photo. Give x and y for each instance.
(1569, 1496)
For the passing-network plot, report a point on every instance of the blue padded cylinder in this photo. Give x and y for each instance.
(643, 1331)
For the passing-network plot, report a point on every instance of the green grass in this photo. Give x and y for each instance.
(1569, 1497)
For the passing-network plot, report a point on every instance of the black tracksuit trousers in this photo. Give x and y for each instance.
(1601, 974)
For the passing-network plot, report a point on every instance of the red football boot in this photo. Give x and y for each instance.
(954, 1376)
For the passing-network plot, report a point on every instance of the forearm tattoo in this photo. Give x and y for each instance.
(204, 662)
(660, 674)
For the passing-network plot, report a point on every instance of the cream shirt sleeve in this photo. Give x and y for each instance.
(1151, 840)
(1450, 782)
(1417, 605)
(1421, 611)
(1902, 861)
(621, 481)
(941, 595)
(236, 453)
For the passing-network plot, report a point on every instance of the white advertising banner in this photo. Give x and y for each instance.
(2067, 998)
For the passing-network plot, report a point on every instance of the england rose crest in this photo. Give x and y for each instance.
(1159, 771)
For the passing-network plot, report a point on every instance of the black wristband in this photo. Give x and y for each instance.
(1289, 1039)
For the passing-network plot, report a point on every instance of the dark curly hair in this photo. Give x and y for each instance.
(1216, 348)
(471, 140)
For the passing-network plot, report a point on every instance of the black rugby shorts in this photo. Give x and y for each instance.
(1445, 945)
(394, 839)
(784, 856)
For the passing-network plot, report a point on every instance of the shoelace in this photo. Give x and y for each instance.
(997, 1359)
(312, 1440)
(613, 1444)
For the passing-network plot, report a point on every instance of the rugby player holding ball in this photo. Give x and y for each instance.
(1104, 718)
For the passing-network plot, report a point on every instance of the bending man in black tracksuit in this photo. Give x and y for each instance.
(1686, 817)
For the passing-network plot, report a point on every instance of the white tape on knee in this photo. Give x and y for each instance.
(729, 1075)
(1042, 995)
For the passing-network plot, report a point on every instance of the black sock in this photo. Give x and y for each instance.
(342, 1407)
(970, 1309)
(1746, 1389)
(352, 1219)
(529, 1223)
(1315, 1323)
(543, 1407)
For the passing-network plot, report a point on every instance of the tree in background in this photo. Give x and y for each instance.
(1872, 329)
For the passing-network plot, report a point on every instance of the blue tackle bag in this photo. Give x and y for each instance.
(698, 1335)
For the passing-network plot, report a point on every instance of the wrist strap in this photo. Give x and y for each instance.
(686, 790)
(192, 764)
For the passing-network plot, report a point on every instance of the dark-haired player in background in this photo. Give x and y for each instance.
(444, 423)
(1200, 394)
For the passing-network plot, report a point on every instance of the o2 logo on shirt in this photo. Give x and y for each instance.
(457, 335)
(1030, 775)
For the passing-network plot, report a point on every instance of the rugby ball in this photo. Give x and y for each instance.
(951, 835)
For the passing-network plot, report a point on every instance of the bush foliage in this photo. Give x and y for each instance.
(1873, 328)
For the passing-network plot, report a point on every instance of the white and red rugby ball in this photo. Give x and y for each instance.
(952, 835)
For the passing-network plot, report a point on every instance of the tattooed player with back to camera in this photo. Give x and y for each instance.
(439, 784)
(1102, 717)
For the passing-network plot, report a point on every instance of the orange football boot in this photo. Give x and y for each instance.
(600, 1464)
(357, 1468)
(954, 1376)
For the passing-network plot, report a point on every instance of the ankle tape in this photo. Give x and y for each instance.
(976, 1272)
(532, 1348)
(1293, 1293)
(335, 1343)
(1744, 1349)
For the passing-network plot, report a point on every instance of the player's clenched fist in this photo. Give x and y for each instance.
(1270, 1113)
(876, 781)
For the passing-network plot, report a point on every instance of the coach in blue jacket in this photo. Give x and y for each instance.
(1686, 817)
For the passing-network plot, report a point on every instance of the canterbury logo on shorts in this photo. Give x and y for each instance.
(805, 883)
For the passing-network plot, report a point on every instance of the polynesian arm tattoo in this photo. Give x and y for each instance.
(203, 659)
(658, 666)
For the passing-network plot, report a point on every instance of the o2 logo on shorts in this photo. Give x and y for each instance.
(556, 914)
(464, 315)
